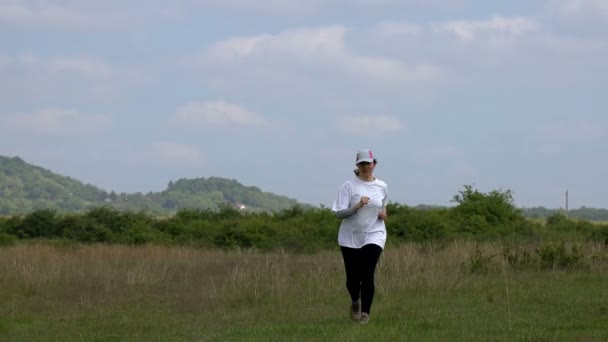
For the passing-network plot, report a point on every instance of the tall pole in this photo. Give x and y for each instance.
(566, 202)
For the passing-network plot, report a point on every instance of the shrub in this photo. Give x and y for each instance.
(600, 233)
(38, 224)
(408, 224)
(139, 233)
(519, 258)
(7, 240)
(489, 215)
(554, 256)
(85, 229)
(479, 263)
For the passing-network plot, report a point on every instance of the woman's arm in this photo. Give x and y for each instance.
(344, 213)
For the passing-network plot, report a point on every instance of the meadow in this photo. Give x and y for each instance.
(460, 290)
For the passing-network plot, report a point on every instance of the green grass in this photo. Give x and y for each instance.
(424, 292)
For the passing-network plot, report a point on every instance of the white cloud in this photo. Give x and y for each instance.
(395, 28)
(580, 18)
(370, 125)
(43, 14)
(306, 43)
(86, 15)
(469, 30)
(390, 70)
(272, 6)
(172, 151)
(298, 7)
(217, 113)
(56, 121)
(578, 8)
(497, 49)
(81, 66)
(31, 78)
(301, 54)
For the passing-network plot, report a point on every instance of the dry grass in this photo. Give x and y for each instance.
(69, 282)
(84, 276)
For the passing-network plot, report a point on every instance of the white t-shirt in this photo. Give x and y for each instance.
(364, 227)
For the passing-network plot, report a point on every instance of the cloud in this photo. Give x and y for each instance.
(112, 14)
(469, 30)
(177, 152)
(580, 18)
(370, 124)
(578, 8)
(80, 66)
(33, 78)
(509, 50)
(299, 7)
(86, 15)
(217, 113)
(43, 14)
(307, 43)
(395, 28)
(298, 55)
(269, 6)
(56, 121)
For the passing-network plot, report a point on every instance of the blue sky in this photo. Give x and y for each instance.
(282, 94)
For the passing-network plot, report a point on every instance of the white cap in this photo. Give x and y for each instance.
(364, 156)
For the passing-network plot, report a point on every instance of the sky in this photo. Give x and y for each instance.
(129, 95)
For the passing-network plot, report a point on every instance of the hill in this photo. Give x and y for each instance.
(25, 188)
(584, 213)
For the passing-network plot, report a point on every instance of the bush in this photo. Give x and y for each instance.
(408, 224)
(85, 229)
(479, 263)
(491, 215)
(554, 256)
(477, 216)
(38, 224)
(600, 233)
(7, 240)
(140, 233)
(519, 258)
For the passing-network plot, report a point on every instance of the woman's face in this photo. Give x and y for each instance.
(365, 168)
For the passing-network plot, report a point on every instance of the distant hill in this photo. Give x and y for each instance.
(584, 213)
(25, 188)
(590, 214)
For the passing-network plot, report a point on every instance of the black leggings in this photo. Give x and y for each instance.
(360, 265)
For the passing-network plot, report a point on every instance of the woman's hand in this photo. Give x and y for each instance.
(364, 200)
(382, 214)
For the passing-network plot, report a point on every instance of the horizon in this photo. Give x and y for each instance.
(128, 96)
(280, 194)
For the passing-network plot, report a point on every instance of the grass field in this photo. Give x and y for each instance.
(457, 291)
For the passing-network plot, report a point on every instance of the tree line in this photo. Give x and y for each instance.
(475, 215)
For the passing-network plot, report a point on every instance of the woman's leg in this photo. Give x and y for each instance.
(370, 256)
(352, 265)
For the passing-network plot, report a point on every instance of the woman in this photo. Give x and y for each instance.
(361, 204)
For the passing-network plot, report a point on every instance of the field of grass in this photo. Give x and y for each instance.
(458, 291)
